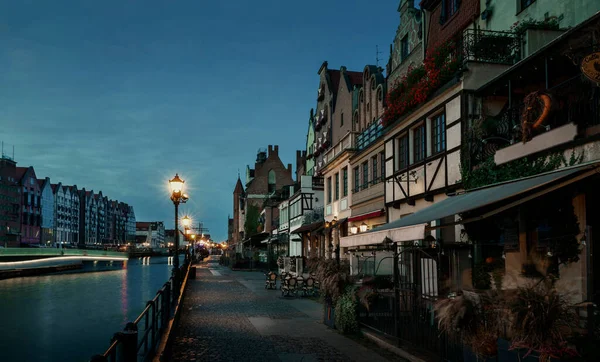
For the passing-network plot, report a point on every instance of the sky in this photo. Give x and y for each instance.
(119, 95)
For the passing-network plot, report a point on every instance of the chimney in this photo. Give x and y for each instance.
(298, 155)
(276, 150)
(289, 168)
(270, 150)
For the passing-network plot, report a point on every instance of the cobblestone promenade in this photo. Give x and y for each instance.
(229, 316)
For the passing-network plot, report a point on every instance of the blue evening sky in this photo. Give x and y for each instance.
(120, 95)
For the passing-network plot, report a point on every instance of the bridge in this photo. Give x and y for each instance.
(29, 258)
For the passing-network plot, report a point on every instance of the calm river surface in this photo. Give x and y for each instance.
(70, 317)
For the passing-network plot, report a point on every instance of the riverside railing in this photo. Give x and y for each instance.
(139, 339)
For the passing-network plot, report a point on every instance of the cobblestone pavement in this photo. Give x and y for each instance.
(229, 316)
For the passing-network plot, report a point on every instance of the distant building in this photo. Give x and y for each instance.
(130, 224)
(154, 232)
(88, 228)
(10, 214)
(31, 217)
(268, 175)
(47, 203)
(170, 238)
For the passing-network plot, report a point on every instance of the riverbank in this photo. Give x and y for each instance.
(16, 273)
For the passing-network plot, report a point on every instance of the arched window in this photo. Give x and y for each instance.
(272, 181)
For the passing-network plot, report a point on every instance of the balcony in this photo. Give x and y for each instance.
(573, 112)
(487, 46)
(368, 136)
(346, 143)
(318, 183)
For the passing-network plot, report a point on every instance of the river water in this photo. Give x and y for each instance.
(72, 316)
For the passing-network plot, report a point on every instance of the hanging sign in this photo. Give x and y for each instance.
(590, 66)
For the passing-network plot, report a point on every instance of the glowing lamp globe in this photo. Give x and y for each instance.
(363, 227)
(186, 221)
(176, 184)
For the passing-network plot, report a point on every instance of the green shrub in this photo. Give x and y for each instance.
(346, 320)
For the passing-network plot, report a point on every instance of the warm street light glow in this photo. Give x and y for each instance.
(186, 221)
(193, 236)
(176, 184)
(363, 227)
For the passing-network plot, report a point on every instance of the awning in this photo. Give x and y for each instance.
(337, 223)
(367, 215)
(308, 227)
(255, 239)
(412, 227)
(374, 237)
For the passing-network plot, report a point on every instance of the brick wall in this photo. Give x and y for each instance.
(283, 174)
(440, 33)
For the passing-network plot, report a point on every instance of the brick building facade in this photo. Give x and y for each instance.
(447, 18)
(268, 175)
(31, 214)
(10, 214)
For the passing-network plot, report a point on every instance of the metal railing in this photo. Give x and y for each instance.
(318, 182)
(369, 135)
(139, 339)
(500, 47)
(575, 100)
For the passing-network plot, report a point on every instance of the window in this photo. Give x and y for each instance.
(337, 186)
(382, 157)
(404, 47)
(438, 133)
(342, 119)
(356, 179)
(402, 157)
(375, 168)
(345, 182)
(449, 8)
(365, 175)
(272, 181)
(329, 190)
(522, 4)
(419, 143)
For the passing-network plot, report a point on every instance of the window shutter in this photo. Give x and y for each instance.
(443, 12)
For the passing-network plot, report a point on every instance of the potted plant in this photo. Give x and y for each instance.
(477, 318)
(333, 279)
(543, 320)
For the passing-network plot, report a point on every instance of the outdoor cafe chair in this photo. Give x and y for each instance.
(271, 282)
(283, 276)
(308, 287)
(289, 287)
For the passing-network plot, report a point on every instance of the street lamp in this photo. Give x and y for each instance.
(178, 197)
(363, 227)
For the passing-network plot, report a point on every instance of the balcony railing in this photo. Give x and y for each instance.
(346, 143)
(318, 182)
(576, 101)
(487, 46)
(369, 135)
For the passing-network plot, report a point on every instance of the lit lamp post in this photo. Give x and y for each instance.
(186, 222)
(178, 197)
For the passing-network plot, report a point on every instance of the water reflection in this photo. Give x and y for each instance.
(69, 317)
